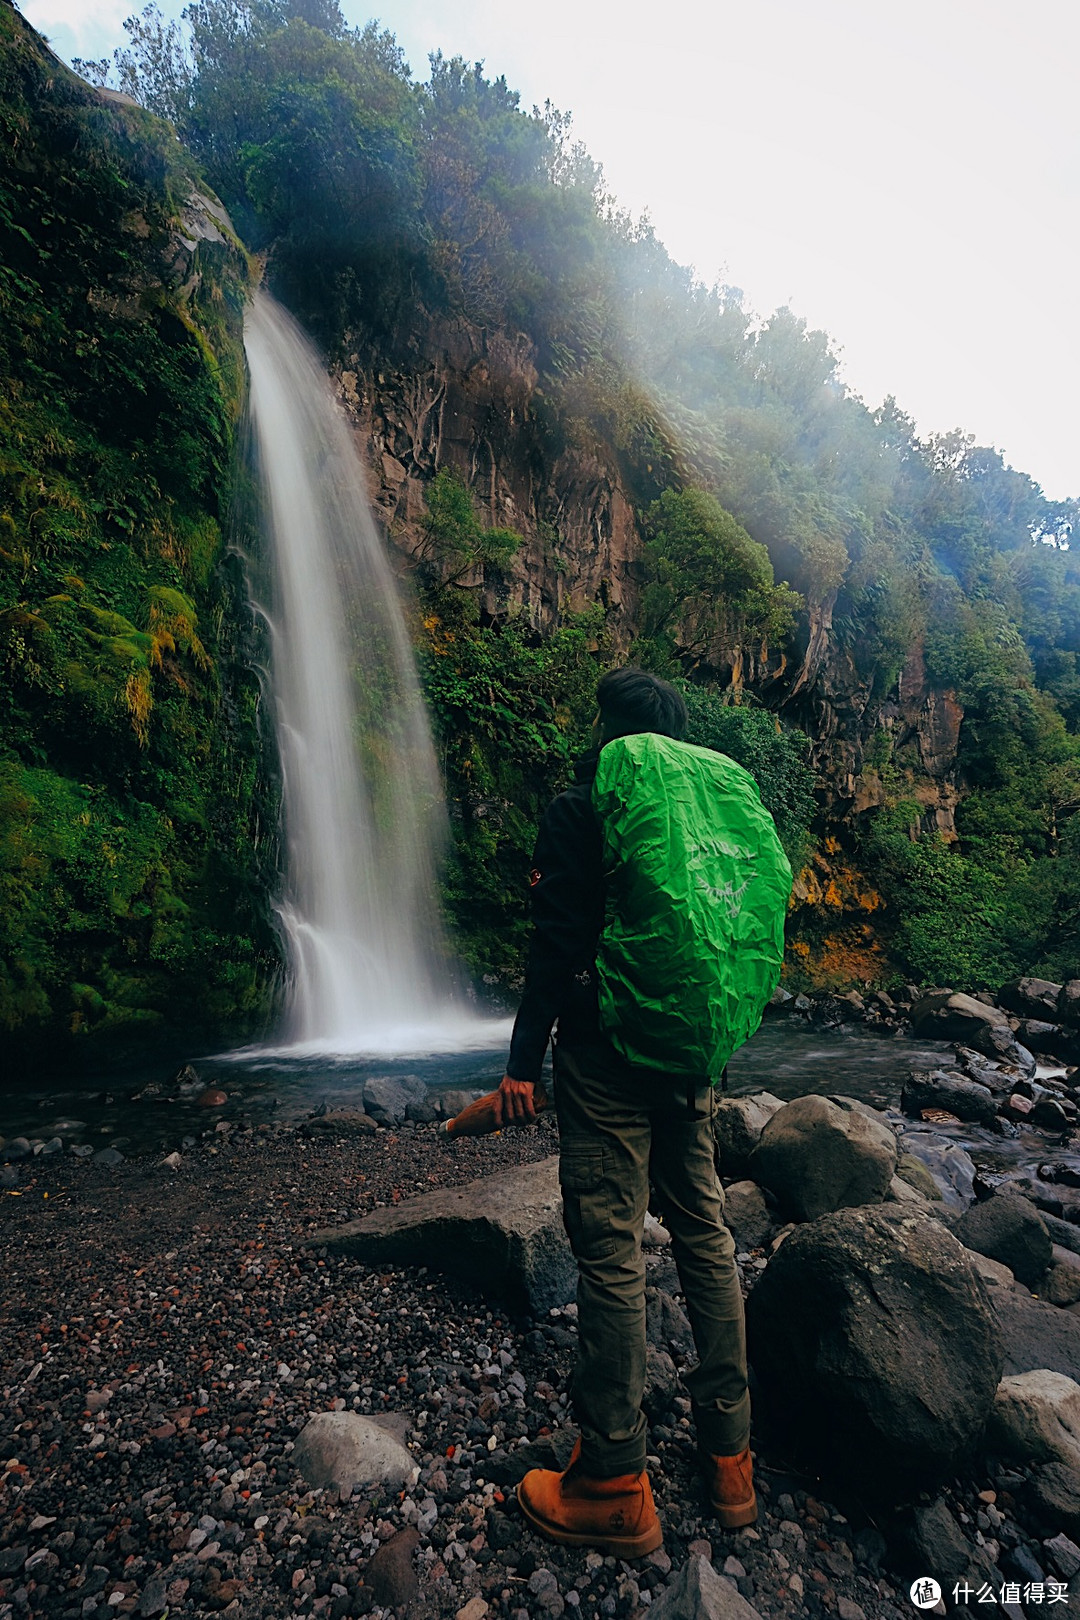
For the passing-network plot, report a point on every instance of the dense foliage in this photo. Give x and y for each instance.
(748, 459)
(129, 758)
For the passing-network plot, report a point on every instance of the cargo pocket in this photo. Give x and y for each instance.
(586, 1201)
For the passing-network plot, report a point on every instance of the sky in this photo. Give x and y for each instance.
(902, 173)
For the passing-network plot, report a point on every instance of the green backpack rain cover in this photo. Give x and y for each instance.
(696, 892)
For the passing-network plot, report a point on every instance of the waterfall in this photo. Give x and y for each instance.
(363, 808)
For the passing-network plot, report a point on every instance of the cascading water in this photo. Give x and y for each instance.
(363, 808)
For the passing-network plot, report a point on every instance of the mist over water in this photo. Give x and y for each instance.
(363, 806)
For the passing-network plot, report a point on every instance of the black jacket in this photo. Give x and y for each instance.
(568, 915)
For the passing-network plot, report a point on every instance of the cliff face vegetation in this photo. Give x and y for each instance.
(131, 888)
(580, 453)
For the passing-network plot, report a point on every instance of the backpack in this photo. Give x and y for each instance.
(696, 887)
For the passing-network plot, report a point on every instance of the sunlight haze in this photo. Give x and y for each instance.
(904, 177)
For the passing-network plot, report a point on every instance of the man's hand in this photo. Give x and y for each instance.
(514, 1102)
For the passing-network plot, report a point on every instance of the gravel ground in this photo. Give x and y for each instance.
(167, 1335)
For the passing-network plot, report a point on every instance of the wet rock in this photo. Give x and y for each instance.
(699, 1593)
(952, 1168)
(17, 1147)
(348, 1452)
(504, 1233)
(918, 1177)
(1036, 1418)
(1037, 1035)
(1036, 1335)
(1051, 1115)
(390, 1574)
(819, 1154)
(853, 1331)
(746, 1215)
(1065, 1233)
(951, 1091)
(387, 1097)
(1068, 1007)
(902, 1192)
(1031, 998)
(1054, 1494)
(997, 1041)
(1008, 1229)
(946, 1016)
(738, 1125)
(109, 1157)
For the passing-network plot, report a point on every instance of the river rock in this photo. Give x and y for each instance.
(504, 1233)
(952, 1167)
(1051, 1114)
(17, 1147)
(918, 1177)
(1008, 1229)
(738, 1125)
(1062, 1232)
(945, 1015)
(746, 1215)
(390, 1574)
(387, 1097)
(699, 1593)
(928, 1538)
(1054, 1493)
(946, 1089)
(1036, 1335)
(871, 1336)
(348, 1452)
(1061, 1285)
(1068, 1007)
(1037, 1035)
(1031, 998)
(819, 1154)
(998, 1041)
(1036, 1418)
(345, 1122)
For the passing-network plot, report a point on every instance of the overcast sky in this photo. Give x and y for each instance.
(905, 175)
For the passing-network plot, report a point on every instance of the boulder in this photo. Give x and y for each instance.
(1037, 1035)
(927, 1537)
(747, 1215)
(390, 1574)
(1036, 1418)
(819, 1154)
(667, 1325)
(346, 1122)
(952, 1167)
(1054, 1495)
(1068, 1007)
(1008, 1229)
(1064, 1233)
(1052, 1114)
(738, 1125)
(951, 1091)
(347, 1452)
(873, 1341)
(902, 1192)
(917, 1176)
(503, 1233)
(946, 1016)
(698, 1593)
(997, 1041)
(387, 1097)
(1061, 1285)
(1036, 1335)
(1031, 998)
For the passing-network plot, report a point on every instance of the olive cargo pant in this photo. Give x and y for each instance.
(619, 1127)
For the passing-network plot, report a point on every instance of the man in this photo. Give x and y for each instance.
(621, 1126)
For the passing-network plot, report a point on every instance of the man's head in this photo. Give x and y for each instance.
(632, 700)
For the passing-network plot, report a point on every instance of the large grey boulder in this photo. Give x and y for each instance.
(1054, 1492)
(389, 1097)
(950, 1091)
(1011, 1230)
(698, 1593)
(823, 1153)
(349, 1452)
(1036, 1418)
(1031, 998)
(1035, 1335)
(504, 1233)
(738, 1125)
(746, 1215)
(948, 1016)
(874, 1344)
(952, 1167)
(1068, 1007)
(997, 1041)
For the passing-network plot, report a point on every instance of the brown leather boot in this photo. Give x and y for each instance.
(730, 1482)
(618, 1516)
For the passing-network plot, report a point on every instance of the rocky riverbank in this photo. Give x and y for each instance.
(171, 1329)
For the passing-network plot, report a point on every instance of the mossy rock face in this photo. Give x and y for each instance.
(915, 1173)
(131, 784)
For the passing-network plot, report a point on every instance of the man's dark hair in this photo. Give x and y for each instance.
(632, 700)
